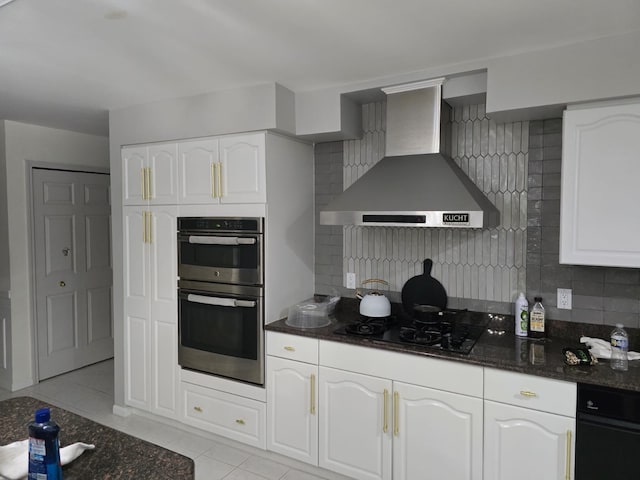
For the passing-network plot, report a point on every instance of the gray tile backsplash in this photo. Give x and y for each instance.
(518, 166)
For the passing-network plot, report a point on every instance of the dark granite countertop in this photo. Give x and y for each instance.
(506, 351)
(117, 455)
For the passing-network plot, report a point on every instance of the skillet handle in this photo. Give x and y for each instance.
(427, 265)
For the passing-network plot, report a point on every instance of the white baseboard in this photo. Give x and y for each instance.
(121, 411)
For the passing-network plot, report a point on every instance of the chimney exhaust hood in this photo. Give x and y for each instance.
(416, 184)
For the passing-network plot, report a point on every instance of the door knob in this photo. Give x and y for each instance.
(62, 284)
(65, 251)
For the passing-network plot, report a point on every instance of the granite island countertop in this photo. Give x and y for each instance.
(117, 455)
(503, 351)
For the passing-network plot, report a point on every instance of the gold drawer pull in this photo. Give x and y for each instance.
(198, 409)
(290, 349)
(239, 421)
(527, 393)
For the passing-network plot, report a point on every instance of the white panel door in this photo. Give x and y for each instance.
(527, 444)
(134, 161)
(355, 424)
(600, 195)
(137, 291)
(163, 174)
(437, 434)
(197, 172)
(163, 304)
(292, 413)
(72, 233)
(243, 173)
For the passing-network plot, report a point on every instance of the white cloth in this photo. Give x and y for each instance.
(602, 349)
(14, 457)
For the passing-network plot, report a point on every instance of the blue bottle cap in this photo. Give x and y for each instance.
(43, 415)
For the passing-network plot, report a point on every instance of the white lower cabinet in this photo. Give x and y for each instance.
(292, 416)
(529, 426)
(381, 415)
(231, 416)
(436, 434)
(526, 444)
(355, 424)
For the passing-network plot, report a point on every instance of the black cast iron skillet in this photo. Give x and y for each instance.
(423, 290)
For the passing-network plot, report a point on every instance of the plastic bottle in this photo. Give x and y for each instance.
(619, 348)
(536, 319)
(522, 316)
(44, 447)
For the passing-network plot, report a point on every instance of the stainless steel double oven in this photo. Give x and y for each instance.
(220, 296)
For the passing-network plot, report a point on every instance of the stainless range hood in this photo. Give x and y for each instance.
(417, 184)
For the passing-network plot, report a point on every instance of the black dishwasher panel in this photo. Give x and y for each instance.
(607, 433)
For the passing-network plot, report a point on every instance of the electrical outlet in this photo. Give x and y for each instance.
(564, 298)
(351, 280)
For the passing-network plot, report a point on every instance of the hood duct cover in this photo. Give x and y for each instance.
(416, 184)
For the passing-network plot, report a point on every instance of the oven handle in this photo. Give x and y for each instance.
(221, 302)
(206, 240)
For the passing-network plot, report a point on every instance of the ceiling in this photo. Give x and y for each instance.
(65, 63)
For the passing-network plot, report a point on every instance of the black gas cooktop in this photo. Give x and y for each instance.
(450, 330)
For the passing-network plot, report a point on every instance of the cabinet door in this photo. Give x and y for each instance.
(437, 434)
(163, 170)
(242, 160)
(355, 424)
(134, 161)
(600, 194)
(164, 310)
(292, 399)
(527, 444)
(136, 307)
(197, 174)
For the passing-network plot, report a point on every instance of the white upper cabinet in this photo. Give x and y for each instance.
(223, 170)
(198, 164)
(600, 196)
(242, 169)
(149, 175)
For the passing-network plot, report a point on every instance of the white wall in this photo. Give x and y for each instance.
(37, 144)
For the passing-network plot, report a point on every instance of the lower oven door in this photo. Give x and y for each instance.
(221, 330)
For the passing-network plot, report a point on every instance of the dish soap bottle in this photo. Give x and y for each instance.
(44, 447)
(619, 348)
(536, 319)
(522, 316)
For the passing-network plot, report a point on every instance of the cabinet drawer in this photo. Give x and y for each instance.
(227, 415)
(545, 394)
(294, 347)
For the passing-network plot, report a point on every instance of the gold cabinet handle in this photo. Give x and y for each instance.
(62, 284)
(213, 180)
(312, 408)
(385, 421)
(527, 393)
(567, 468)
(290, 349)
(149, 192)
(219, 179)
(198, 409)
(143, 183)
(396, 413)
(150, 217)
(239, 421)
(144, 227)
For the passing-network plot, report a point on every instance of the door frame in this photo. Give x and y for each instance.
(30, 166)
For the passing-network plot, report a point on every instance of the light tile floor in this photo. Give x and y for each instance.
(89, 392)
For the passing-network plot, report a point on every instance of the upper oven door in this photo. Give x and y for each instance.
(221, 257)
